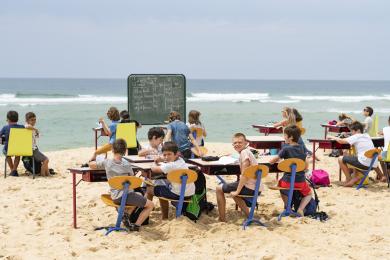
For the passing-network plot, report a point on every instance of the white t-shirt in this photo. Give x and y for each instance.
(362, 143)
(198, 139)
(153, 151)
(175, 187)
(386, 135)
(246, 154)
(35, 137)
(367, 124)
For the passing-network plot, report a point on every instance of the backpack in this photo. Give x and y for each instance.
(320, 177)
(312, 208)
(28, 164)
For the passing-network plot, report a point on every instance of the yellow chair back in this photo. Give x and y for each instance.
(202, 149)
(370, 153)
(20, 142)
(285, 165)
(198, 132)
(374, 128)
(250, 172)
(127, 131)
(174, 175)
(117, 182)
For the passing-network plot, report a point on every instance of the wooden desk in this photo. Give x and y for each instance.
(334, 129)
(137, 159)
(332, 144)
(268, 129)
(88, 175)
(98, 133)
(265, 142)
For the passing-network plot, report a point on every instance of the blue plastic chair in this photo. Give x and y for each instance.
(292, 165)
(256, 172)
(119, 183)
(373, 155)
(182, 177)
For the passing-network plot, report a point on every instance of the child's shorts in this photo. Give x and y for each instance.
(165, 192)
(305, 188)
(39, 156)
(230, 187)
(133, 199)
(353, 160)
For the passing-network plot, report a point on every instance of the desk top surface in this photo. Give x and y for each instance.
(265, 138)
(136, 158)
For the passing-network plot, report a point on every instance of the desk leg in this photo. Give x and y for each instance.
(326, 134)
(74, 200)
(96, 140)
(314, 156)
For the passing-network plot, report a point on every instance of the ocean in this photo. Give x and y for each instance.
(68, 109)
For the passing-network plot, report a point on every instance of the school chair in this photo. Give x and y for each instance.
(20, 144)
(373, 155)
(385, 162)
(374, 128)
(182, 177)
(256, 172)
(197, 132)
(119, 183)
(127, 131)
(292, 165)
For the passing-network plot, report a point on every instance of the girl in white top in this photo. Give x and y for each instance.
(194, 124)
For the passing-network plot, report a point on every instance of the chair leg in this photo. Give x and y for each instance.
(385, 171)
(181, 199)
(5, 167)
(339, 174)
(288, 210)
(33, 161)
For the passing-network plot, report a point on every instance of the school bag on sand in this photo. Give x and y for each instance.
(320, 178)
(312, 209)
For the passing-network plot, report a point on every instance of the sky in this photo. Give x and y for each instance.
(203, 39)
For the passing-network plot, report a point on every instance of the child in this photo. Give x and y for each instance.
(125, 118)
(194, 123)
(113, 115)
(362, 143)
(293, 150)
(12, 119)
(164, 188)
(120, 167)
(179, 133)
(245, 186)
(367, 112)
(288, 118)
(344, 120)
(38, 156)
(154, 148)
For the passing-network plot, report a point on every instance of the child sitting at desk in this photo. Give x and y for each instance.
(243, 187)
(293, 150)
(120, 167)
(288, 118)
(163, 187)
(113, 115)
(154, 148)
(12, 119)
(194, 123)
(362, 143)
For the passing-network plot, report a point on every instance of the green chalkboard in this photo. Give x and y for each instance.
(152, 96)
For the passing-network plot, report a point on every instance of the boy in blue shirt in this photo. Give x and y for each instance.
(12, 119)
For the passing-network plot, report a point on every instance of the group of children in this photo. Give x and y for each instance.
(38, 156)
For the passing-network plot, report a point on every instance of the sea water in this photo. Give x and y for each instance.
(68, 109)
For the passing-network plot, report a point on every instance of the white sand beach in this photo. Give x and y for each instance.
(36, 222)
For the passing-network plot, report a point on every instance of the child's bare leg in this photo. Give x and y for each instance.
(221, 202)
(303, 204)
(164, 208)
(149, 192)
(16, 163)
(345, 169)
(93, 158)
(241, 203)
(285, 199)
(45, 168)
(145, 213)
(379, 174)
(10, 163)
(352, 181)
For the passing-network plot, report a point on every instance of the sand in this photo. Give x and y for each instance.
(36, 222)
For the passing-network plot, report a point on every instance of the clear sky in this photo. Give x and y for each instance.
(274, 39)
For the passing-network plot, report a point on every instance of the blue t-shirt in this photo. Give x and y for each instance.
(112, 128)
(293, 151)
(5, 132)
(180, 132)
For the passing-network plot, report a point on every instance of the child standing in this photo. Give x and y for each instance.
(38, 156)
(194, 123)
(164, 188)
(367, 112)
(245, 186)
(154, 148)
(293, 150)
(12, 119)
(120, 167)
(113, 115)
